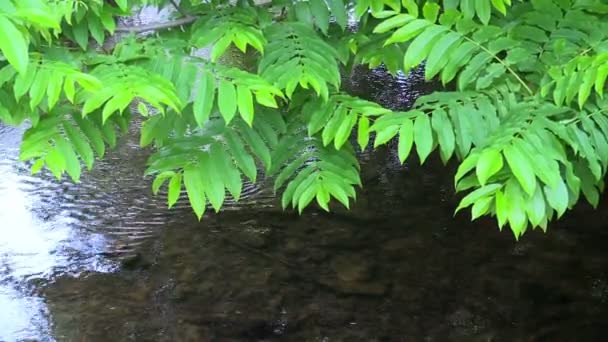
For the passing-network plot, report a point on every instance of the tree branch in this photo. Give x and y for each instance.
(157, 26)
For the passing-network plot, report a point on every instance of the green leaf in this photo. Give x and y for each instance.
(220, 47)
(422, 45)
(516, 211)
(195, 189)
(80, 144)
(437, 56)
(175, 189)
(92, 133)
(55, 162)
(409, 31)
(39, 86)
(393, 22)
(37, 166)
(13, 45)
(484, 11)
(600, 79)
(23, 82)
(481, 207)
(472, 69)
(586, 87)
(69, 89)
(335, 189)
(468, 164)
(363, 133)
(266, 99)
(445, 133)
(243, 160)
(72, 164)
(430, 10)
(423, 136)
(306, 197)
(160, 179)
(287, 196)
(338, 9)
(203, 101)
(257, 145)
(123, 4)
(500, 6)
(489, 163)
(320, 13)
(406, 140)
(226, 99)
(304, 187)
(411, 6)
(502, 207)
(521, 167)
(81, 34)
(213, 182)
(535, 207)
(557, 197)
(386, 134)
(38, 15)
(330, 130)
(478, 194)
(245, 104)
(289, 170)
(457, 58)
(343, 132)
(107, 20)
(96, 29)
(53, 89)
(323, 197)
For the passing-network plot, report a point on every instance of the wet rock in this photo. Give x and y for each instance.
(193, 333)
(180, 293)
(317, 255)
(135, 262)
(341, 237)
(257, 277)
(251, 238)
(351, 267)
(281, 273)
(370, 288)
(402, 246)
(293, 246)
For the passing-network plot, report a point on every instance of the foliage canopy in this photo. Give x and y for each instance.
(523, 109)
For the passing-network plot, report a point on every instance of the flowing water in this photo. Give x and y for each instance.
(105, 261)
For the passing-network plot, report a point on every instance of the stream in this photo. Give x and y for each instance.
(105, 260)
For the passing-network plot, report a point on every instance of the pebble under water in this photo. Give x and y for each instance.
(105, 261)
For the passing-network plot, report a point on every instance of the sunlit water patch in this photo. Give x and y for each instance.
(37, 243)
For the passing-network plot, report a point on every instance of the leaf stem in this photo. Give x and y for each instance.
(530, 92)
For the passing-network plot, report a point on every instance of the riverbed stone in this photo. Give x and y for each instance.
(351, 267)
(367, 288)
(252, 238)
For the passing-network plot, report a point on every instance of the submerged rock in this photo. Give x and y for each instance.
(371, 288)
(351, 267)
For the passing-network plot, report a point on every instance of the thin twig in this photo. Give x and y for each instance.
(157, 26)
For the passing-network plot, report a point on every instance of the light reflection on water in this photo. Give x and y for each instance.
(40, 248)
(34, 248)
